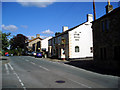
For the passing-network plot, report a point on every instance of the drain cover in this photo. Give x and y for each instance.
(60, 81)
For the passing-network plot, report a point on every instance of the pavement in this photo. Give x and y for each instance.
(28, 72)
(56, 60)
(90, 65)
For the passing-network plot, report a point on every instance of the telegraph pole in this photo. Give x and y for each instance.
(94, 10)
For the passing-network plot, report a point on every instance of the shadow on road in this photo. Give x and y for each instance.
(3, 58)
(95, 67)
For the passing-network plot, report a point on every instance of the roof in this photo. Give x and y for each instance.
(108, 14)
(68, 30)
(35, 39)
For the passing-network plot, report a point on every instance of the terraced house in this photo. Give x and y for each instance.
(106, 36)
(35, 43)
(73, 43)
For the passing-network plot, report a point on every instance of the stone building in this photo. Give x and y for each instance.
(73, 43)
(34, 44)
(106, 35)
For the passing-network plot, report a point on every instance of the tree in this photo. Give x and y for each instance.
(57, 33)
(5, 41)
(18, 42)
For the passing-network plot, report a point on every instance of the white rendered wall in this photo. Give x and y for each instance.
(44, 43)
(84, 43)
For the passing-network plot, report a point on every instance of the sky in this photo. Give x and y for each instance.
(30, 18)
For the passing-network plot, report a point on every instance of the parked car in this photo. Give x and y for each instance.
(29, 53)
(33, 53)
(11, 54)
(39, 54)
(6, 54)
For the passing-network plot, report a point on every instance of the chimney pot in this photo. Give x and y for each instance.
(89, 17)
(32, 38)
(109, 7)
(37, 35)
(65, 28)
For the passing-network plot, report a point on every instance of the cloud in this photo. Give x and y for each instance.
(29, 37)
(36, 3)
(9, 27)
(24, 26)
(47, 32)
(43, 37)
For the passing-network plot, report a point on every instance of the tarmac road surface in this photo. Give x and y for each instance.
(30, 72)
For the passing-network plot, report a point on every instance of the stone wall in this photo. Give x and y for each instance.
(107, 39)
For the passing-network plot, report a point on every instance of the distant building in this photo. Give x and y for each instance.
(44, 44)
(73, 43)
(34, 44)
(106, 35)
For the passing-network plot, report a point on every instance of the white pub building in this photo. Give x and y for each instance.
(73, 43)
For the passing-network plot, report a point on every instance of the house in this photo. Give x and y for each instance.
(73, 43)
(106, 36)
(34, 44)
(44, 44)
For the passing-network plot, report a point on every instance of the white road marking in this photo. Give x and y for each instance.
(69, 79)
(39, 66)
(80, 83)
(31, 57)
(26, 59)
(22, 84)
(10, 66)
(38, 59)
(20, 81)
(44, 68)
(32, 63)
(6, 66)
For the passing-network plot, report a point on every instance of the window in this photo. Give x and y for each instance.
(117, 52)
(54, 40)
(77, 49)
(103, 53)
(54, 51)
(91, 49)
(38, 46)
(106, 24)
(60, 52)
(103, 26)
(33, 47)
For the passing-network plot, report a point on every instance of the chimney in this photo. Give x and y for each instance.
(32, 38)
(89, 17)
(65, 28)
(109, 7)
(37, 35)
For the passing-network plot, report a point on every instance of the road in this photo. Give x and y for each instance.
(29, 72)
